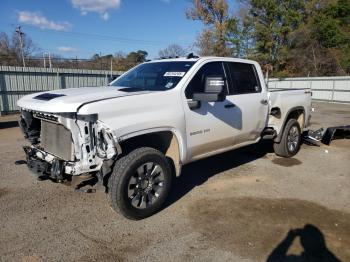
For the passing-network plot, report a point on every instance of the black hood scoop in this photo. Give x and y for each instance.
(47, 96)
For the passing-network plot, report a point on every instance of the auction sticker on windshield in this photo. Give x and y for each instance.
(178, 74)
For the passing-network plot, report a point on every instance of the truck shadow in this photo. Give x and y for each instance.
(197, 173)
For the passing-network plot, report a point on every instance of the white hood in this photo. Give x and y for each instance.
(69, 100)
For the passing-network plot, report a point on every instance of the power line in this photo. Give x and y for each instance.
(84, 35)
(89, 36)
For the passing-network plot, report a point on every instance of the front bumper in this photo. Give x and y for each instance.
(42, 163)
(41, 168)
(67, 145)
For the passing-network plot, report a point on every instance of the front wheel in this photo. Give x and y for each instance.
(140, 183)
(291, 139)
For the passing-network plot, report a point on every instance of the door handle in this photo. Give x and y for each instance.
(230, 105)
(264, 101)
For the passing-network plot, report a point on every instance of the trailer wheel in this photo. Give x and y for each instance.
(140, 183)
(290, 142)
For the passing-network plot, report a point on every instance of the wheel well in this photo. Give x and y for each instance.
(164, 141)
(299, 115)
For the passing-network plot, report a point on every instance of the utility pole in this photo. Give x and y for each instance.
(50, 60)
(20, 36)
(100, 61)
(44, 60)
(48, 54)
(111, 67)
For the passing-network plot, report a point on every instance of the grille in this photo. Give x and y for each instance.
(57, 140)
(46, 116)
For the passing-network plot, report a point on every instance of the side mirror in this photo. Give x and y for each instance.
(213, 90)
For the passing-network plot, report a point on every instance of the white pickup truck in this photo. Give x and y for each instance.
(135, 134)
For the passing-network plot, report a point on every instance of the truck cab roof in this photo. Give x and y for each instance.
(205, 58)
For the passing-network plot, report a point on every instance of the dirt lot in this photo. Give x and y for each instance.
(238, 206)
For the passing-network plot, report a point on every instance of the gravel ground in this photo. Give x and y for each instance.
(237, 206)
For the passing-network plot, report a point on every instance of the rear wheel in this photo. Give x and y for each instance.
(290, 141)
(140, 183)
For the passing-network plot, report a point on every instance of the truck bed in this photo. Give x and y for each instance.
(287, 100)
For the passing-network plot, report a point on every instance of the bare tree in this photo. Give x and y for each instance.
(29, 48)
(7, 56)
(205, 43)
(10, 49)
(172, 50)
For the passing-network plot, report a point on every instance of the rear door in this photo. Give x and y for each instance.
(247, 94)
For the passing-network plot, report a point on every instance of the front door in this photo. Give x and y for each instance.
(212, 125)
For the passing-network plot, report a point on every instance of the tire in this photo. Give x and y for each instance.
(140, 183)
(290, 141)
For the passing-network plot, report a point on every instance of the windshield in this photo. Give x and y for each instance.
(159, 76)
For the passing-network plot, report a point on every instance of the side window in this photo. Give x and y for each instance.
(244, 78)
(197, 83)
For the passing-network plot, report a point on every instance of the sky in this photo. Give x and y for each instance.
(81, 28)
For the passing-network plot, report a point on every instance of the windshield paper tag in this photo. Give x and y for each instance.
(176, 74)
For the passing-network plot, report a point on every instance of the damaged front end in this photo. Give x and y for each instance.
(67, 144)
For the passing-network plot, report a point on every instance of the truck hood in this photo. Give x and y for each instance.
(69, 100)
